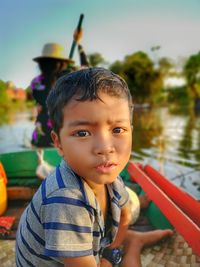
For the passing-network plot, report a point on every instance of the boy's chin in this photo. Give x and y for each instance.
(107, 180)
(101, 181)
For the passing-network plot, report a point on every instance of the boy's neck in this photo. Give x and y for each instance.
(99, 190)
(102, 197)
(96, 188)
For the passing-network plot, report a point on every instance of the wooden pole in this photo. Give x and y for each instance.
(74, 41)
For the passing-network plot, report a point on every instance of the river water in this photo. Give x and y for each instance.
(168, 141)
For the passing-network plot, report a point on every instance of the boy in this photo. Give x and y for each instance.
(79, 216)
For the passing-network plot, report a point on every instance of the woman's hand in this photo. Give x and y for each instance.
(78, 36)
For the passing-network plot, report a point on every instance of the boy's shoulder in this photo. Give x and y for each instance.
(64, 184)
(61, 179)
(118, 184)
(119, 191)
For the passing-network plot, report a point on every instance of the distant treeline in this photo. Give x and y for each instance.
(146, 78)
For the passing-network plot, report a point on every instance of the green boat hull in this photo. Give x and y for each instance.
(20, 167)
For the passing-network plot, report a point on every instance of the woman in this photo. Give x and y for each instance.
(51, 63)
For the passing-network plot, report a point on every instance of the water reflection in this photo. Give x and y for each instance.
(159, 134)
(146, 128)
(190, 144)
(171, 143)
(15, 135)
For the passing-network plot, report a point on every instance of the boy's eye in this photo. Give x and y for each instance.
(118, 130)
(82, 133)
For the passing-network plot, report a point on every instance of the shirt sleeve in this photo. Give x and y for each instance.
(121, 192)
(68, 226)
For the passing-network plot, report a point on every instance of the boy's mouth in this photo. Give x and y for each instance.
(106, 167)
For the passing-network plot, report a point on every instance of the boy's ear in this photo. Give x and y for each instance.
(56, 142)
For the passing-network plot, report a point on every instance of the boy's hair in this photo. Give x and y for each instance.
(84, 85)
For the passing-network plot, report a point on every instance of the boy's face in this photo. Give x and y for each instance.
(95, 139)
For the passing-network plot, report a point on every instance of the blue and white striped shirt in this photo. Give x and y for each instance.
(64, 220)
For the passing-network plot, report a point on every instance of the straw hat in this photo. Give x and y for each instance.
(53, 50)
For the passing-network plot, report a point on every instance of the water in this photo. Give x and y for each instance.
(16, 135)
(169, 142)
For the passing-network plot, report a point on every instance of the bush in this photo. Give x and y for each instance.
(179, 95)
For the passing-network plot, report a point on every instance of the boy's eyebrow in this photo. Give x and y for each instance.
(90, 123)
(79, 123)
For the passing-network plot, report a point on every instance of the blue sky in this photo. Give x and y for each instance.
(113, 28)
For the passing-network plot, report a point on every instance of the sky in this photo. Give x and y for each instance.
(114, 28)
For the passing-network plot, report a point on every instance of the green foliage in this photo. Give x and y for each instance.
(8, 107)
(2, 88)
(4, 102)
(165, 65)
(192, 73)
(117, 67)
(179, 95)
(138, 70)
(3, 95)
(95, 59)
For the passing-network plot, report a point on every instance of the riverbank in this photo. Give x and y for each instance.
(10, 108)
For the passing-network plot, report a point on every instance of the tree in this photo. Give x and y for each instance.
(117, 67)
(4, 102)
(95, 59)
(165, 65)
(3, 94)
(192, 73)
(138, 70)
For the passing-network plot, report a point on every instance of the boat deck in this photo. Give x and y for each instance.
(7, 255)
(173, 252)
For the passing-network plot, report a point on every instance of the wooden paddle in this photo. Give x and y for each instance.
(74, 41)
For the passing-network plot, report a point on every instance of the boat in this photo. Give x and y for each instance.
(21, 167)
(171, 207)
(177, 206)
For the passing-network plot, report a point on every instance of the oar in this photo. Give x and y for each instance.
(74, 41)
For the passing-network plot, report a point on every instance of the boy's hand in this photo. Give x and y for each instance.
(123, 226)
(105, 263)
(85, 261)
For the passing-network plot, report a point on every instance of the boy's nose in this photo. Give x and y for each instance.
(103, 146)
(104, 150)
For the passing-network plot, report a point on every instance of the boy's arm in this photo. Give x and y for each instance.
(83, 261)
(89, 261)
(123, 226)
(86, 261)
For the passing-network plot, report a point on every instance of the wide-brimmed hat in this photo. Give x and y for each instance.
(53, 50)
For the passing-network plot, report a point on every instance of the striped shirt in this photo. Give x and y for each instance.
(64, 220)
